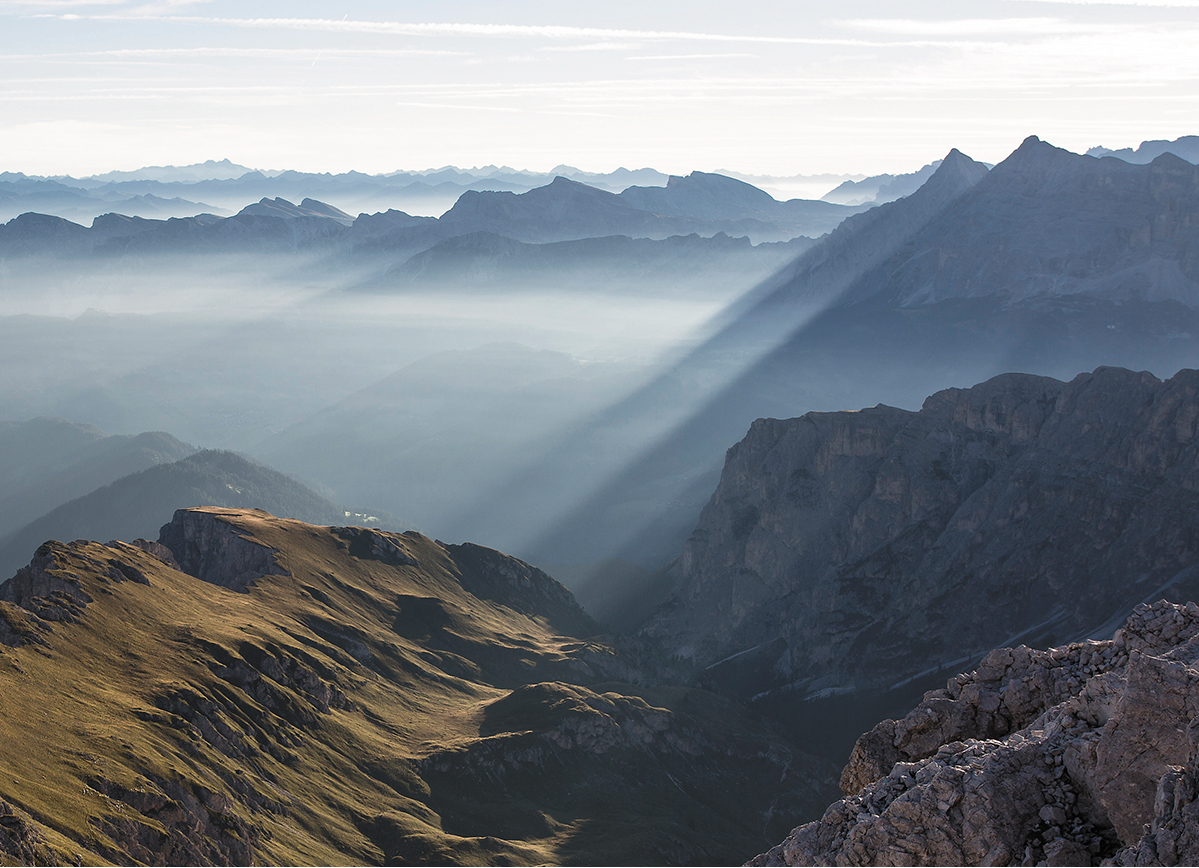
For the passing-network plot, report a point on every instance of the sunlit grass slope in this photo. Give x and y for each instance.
(367, 698)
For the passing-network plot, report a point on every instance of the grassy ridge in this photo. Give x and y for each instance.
(356, 710)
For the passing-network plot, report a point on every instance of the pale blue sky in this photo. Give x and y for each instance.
(759, 87)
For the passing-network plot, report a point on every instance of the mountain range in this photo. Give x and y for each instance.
(251, 688)
(223, 187)
(272, 660)
(947, 285)
(63, 480)
(1050, 263)
(879, 189)
(560, 211)
(45, 462)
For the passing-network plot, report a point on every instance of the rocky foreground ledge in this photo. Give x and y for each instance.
(1081, 755)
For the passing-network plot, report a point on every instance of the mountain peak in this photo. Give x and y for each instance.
(957, 171)
(561, 181)
(1034, 153)
(713, 182)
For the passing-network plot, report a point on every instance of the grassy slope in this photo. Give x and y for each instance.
(180, 714)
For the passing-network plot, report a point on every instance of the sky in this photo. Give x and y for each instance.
(768, 88)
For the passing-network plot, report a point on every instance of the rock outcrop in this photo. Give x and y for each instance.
(20, 839)
(45, 590)
(849, 552)
(503, 579)
(1069, 756)
(210, 549)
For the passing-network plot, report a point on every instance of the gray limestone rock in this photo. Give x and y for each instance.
(213, 550)
(1061, 757)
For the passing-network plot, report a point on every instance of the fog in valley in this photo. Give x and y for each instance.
(412, 395)
(558, 373)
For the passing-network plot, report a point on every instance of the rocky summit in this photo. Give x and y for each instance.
(1084, 754)
(254, 690)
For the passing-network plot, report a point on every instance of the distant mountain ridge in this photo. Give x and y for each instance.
(1186, 147)
(707, 196)
(1047, 222)
(209, 170)
(46, 462)
(307, 208)
(880, 188)
(181, 191)
(562, 210)
(135, 505)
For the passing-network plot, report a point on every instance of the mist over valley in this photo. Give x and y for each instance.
(541, 475)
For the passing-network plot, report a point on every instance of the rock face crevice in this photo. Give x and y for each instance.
(886, 545)
(1068, 756)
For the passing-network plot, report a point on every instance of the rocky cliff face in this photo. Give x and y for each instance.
(209, 548)
(849, 552)
(1068, 756)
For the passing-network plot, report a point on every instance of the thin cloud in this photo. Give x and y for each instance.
(595, 46)
(117, 54)
(509, 31)
(137, 8)
(964, 26)
(687, 56)
(593, 94)
(504, 31)
(1162, 4)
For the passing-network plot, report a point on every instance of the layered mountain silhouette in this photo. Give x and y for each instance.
(20, 194)
(560, 210)
(945, 286)
(137, 504)
(706, 209)
(1186, 147)
(878, 189)
(45, 462)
